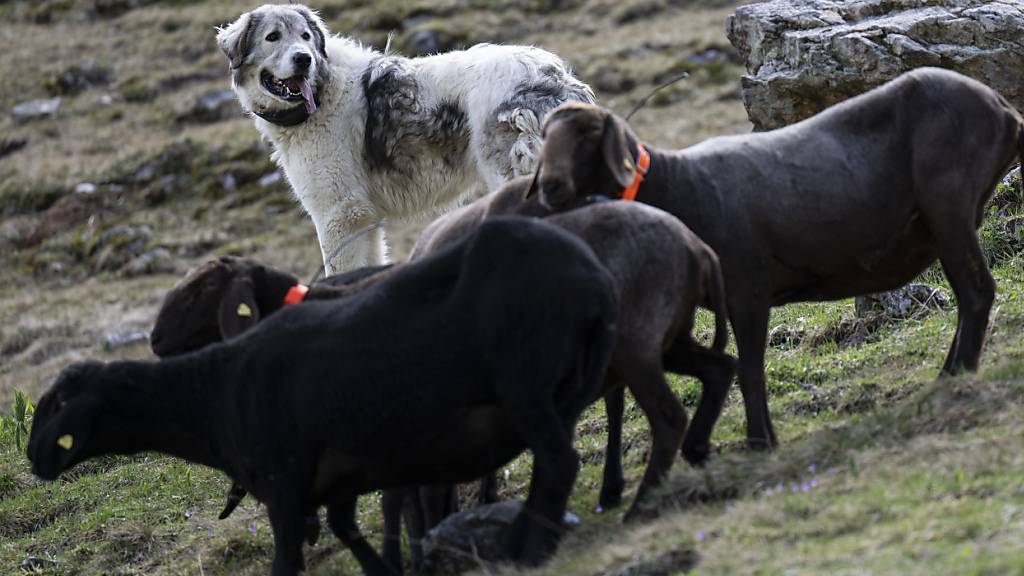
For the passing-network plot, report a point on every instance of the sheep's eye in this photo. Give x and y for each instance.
(273, 37)
(305, 36)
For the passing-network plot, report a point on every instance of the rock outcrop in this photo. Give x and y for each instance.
(805, 55)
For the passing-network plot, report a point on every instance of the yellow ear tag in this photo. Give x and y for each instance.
(628, 163)
(244, 310)
(66, 441)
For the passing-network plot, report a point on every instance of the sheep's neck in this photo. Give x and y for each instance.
(666, 184)
(165, 407)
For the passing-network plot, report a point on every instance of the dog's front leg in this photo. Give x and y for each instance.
(344, 242)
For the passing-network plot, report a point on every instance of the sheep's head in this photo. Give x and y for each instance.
(65, 421)
(587, 151)
(218, 300)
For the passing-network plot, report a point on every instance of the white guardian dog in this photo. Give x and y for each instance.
(364, 136)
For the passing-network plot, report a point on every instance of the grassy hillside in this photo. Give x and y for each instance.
(105, 204)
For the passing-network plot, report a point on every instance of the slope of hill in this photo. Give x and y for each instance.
(106, 203)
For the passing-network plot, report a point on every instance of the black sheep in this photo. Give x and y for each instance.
(446, 370)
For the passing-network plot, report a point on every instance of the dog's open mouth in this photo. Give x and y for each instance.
(294, 89)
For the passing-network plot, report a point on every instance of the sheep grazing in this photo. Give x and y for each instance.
(225, 297)
(860, 198)
(663, 272)
(447, 369)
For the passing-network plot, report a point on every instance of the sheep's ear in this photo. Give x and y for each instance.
(236, 38)
(238, 311)
(317, 27)
(616, 152)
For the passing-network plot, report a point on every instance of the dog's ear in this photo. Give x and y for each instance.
(236, 38)
(616, 151)
(238, 310)
(317, 27)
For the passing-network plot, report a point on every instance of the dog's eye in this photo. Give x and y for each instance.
(305, 36)
(273, 37)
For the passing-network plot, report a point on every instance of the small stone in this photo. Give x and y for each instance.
(119, 245)
(212, 107)
(122, 338)
(35, 109)
(269, 179)
(463, 540)
(156, 261)
(909, 301)
(85, 188)
(78, 77)
(34, 564)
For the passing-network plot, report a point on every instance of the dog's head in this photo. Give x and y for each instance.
(587, 151)
(65, 421)
(214, 302)
(278, 56)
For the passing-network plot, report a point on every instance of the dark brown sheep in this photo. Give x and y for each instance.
(860, 198)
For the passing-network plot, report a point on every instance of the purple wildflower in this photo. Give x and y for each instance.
(700, 536)
(811, 468)
(252, 528)
(188, 514)
(814, 482)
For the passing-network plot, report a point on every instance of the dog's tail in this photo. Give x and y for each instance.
(717, 303)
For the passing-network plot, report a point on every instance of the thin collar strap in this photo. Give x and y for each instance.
(295, 294)
(643, 163)
(289, 116)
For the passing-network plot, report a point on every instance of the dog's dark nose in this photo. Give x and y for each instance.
(302, 60)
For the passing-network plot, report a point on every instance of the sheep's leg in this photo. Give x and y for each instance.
(613, 482)
(488, 489)
(715, 371)
(415, 526)
(538, 527)
(341, 515)
(667, 420)
(750, 324)
(971, 281)
(288, 522)
(391, 504)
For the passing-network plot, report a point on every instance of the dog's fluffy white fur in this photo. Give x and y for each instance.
(391, 137)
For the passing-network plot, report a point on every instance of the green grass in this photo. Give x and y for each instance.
(910, 475)
(882, 469)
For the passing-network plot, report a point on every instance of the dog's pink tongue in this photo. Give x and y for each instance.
(307, 95)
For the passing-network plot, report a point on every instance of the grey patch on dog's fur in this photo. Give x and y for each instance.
(450, 131)
(551, 89)
(396, 122)
(390, 91)
(244, 48)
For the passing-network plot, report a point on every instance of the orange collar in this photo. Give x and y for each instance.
(295, 294)
(643, 162)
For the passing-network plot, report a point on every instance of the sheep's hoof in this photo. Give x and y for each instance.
(312, 529)
(610, 498)
(697, 456)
